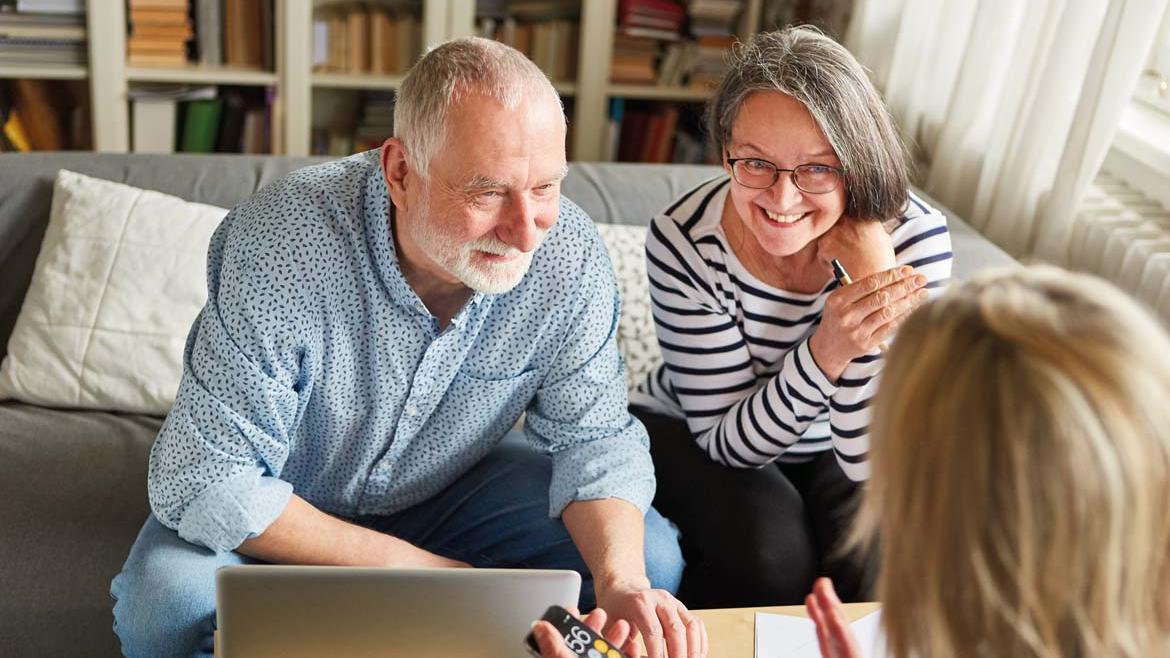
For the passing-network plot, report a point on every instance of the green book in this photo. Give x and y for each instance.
(201, 125)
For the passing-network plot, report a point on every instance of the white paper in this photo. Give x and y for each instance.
(784, 636)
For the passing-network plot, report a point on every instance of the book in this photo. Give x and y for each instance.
(358, 41)
(36, 104)
(209, 30)
(154, 16)
(52, 32)
(153, 125)
(244, 40)
(200, 125)
(231, 123)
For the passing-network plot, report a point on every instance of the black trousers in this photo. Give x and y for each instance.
(755, 537)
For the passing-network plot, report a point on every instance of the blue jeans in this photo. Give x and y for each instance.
(495, 515)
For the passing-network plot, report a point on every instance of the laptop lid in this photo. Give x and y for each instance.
(292, 611)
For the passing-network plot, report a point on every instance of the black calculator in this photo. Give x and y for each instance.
(583, 641)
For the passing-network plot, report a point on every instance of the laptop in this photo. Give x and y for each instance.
(291, 611)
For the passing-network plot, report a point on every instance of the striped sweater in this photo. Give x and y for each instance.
(736, 356)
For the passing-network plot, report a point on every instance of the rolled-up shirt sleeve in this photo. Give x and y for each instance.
(215, 466)
(580, 414)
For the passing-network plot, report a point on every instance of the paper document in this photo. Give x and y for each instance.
(783, 636)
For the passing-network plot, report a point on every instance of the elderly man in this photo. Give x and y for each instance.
(374, 326)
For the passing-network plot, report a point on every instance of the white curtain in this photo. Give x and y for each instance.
(1010, 105)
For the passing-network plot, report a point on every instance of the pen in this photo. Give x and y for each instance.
(844, 279)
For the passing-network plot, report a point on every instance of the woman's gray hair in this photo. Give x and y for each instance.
(803, 63)
(444, 75)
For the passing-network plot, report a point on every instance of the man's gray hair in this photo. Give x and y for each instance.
(447, 73)
(803, 63)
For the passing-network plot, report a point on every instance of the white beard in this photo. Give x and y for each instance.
(460, 260)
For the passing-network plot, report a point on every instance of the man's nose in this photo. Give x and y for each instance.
(519, 228)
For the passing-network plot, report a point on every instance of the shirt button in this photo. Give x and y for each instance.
(410, 409)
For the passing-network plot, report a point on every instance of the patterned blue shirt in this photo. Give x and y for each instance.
(315, 368)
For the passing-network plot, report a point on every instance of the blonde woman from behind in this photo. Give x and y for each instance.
(1021, 477)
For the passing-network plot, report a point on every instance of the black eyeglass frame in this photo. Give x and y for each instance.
(791, 174)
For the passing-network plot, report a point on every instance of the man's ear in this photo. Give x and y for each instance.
(395, 168)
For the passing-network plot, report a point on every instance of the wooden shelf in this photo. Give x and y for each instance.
(656, 93)
(44, 71)
(357, 81)
(206, 75)
(293, 80)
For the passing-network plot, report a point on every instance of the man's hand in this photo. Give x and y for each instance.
(666, 626)
(834, 634)
(552, 645)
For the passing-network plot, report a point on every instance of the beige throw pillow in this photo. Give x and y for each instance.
(120, 277)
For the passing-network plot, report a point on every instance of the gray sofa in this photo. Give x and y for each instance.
(74, 482)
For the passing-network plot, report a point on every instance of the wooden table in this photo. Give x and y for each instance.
(731, 632)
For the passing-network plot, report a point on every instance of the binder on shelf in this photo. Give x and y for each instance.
(200, 125)
(153, 126)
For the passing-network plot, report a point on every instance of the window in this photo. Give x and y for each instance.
(1141, 149)
(1154, 86)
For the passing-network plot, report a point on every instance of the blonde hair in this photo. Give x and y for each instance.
(1021, 473)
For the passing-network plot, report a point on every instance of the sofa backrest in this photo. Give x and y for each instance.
(612, 193)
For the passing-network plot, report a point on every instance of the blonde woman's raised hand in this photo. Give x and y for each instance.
(834, 635)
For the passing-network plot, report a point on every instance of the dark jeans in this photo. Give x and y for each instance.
(495, 515)
(754, 537)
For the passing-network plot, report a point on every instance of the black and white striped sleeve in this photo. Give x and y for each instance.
(923, 243)
(737, 419)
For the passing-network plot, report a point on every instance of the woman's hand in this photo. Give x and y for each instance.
(834, 635)
(552, 645)
(863, 247)
(859, 316)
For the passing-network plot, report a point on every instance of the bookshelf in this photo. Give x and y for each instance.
(296, 87)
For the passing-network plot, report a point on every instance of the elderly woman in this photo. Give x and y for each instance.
(758, 417)
(1021, 468)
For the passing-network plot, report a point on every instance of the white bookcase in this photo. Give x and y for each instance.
(109, 77)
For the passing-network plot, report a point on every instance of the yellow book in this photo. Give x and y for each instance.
(14, 131)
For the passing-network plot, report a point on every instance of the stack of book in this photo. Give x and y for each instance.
(714, 17)
(546, 31)
(168, 118)
(832, 16)
(159, 32)
(713, 26)
(42, 38)
(643, 26)
(377, 39)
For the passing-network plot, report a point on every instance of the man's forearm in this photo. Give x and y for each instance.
(609, 533)
(303, 534)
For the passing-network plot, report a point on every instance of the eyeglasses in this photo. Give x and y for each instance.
(760, 174)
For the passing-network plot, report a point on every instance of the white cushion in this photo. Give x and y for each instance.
(120, 277)
(636, 338)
